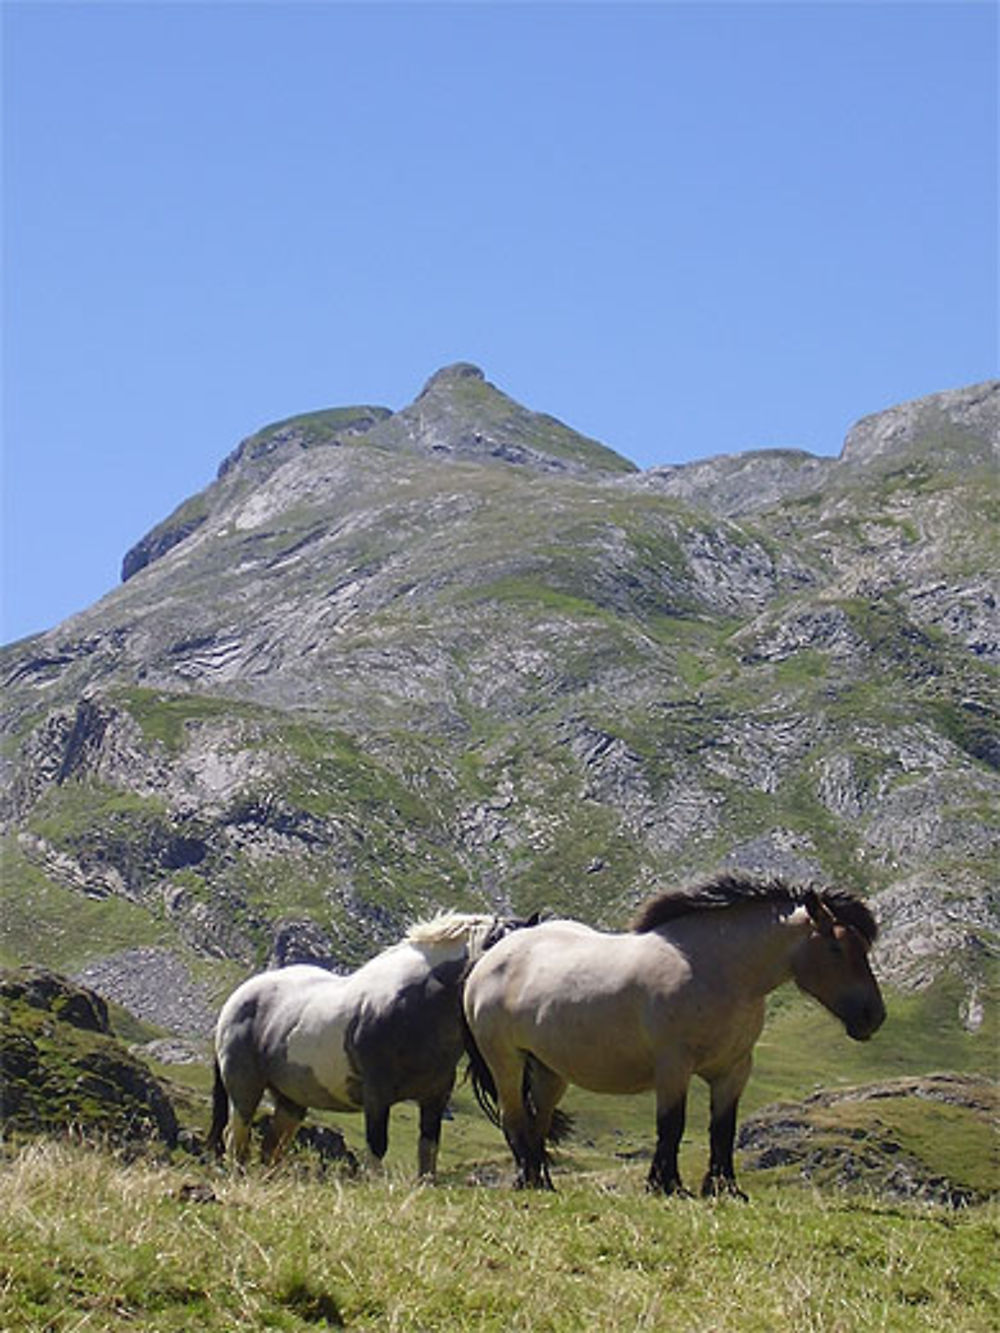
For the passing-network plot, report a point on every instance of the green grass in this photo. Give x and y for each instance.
(164, 718)
(91, 1243)
(59, 927)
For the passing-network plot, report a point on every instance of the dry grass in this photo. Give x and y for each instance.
(92, 1243)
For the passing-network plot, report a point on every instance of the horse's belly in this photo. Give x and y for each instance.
(622, 1081)
(597, 1067)
(316, 1072)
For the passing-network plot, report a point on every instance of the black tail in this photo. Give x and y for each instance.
(220, 1114)
(481, 1078)
(485, 1090)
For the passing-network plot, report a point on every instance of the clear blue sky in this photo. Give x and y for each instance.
(684, 229)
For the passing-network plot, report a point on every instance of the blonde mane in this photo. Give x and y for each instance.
(468, 928)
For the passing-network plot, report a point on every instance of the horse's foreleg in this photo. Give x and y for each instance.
(431, 1114)
(376, 1131)
(721, 1175)
(664, 1176)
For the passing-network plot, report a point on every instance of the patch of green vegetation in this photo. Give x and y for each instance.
(975, 730)
(164, 718)
(960, 1142)
(916, 652)
(692, 669)
(525, 591)
(318, 427)
(72, 810)
(59, 1074)
(802, 668)
(587, 867)
(334, 776)
(61, 928)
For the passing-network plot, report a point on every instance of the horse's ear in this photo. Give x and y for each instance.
(819, 914)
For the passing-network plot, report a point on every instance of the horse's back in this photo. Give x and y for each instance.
(382, 977)
(581, 1001)
(264, 992)
(565, 956)
(256, 1019)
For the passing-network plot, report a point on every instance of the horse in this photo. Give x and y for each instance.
(681, 994)
(391, 1031)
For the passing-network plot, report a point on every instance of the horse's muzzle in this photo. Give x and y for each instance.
(866, 1020)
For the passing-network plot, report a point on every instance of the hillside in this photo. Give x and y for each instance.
(461, 655)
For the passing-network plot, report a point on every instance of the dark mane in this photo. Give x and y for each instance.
(731, 889)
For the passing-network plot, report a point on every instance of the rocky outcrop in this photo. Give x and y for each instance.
(61, 1068)
(955, 430)
(158, 542)
(737, 484)
(460, 414)
(862, 1139)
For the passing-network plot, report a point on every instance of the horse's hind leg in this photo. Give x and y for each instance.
(284, 1122)
(524, 1135)
(431, 1115)
(244, 1098)
(237, 1135)
(546, 1087)
(239, 1075)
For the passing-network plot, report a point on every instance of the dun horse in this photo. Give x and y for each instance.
(683, 994)
(391, 1031)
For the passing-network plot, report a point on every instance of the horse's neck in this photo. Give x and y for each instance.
(751, 944)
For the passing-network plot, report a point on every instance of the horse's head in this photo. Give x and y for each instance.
(499, 926)
(832, 965)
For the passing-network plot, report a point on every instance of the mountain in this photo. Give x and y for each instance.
(461, 655)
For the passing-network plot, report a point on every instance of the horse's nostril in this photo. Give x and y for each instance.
(870, 1016)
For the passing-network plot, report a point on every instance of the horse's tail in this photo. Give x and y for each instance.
(220, 1114)
(485, 1089)
(481, 1077)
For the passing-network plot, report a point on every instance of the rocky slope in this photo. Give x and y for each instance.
(461, 655)
(881, 1139)
(62, 1068)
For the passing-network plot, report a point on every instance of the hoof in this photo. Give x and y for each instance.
(672, 1189)
(722, 1187)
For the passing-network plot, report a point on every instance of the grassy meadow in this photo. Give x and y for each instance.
(90, 1242)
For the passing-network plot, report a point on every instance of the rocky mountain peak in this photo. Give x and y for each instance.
(459, 413)
(448, 376)
(958, 428)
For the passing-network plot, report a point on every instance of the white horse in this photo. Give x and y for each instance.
(682, 994)
(391, 1031)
